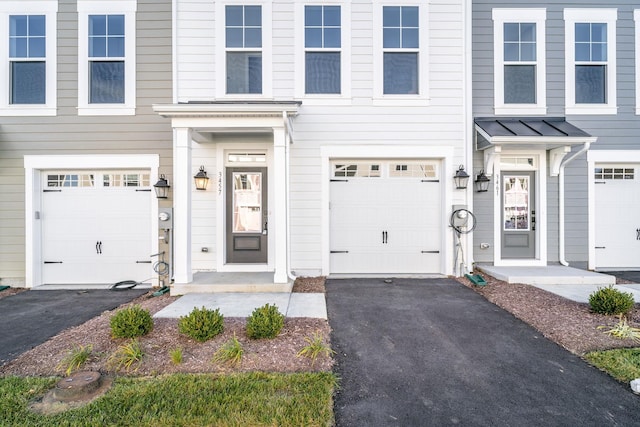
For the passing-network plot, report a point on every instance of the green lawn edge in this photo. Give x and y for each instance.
(622, 364)
(256, 399)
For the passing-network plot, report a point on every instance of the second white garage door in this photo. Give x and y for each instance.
(617, 222)
(385, 217)
(96, 227)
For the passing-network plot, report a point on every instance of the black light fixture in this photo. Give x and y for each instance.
(201, 179)
(461, 178)
(482, 182)
(161, 187)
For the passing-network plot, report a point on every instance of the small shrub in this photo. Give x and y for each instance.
(126, 356)
(202, 324)
(131, 322)
(231, 352)
(623, 330)
(610, 300)
(265, 322)
(75, 358)
(315, 346)
(176, 356)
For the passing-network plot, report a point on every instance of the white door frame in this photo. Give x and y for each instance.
(34, 167)
(540, 168)
(594, 157)
(444, 153)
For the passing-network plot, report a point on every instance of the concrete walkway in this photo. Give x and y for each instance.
(435, 353)
(580, 293)
(291, 304)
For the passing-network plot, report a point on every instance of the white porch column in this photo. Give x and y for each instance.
(182, 206)
(280, 209)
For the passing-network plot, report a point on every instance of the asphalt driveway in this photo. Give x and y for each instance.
(30, 318)
(433, 352)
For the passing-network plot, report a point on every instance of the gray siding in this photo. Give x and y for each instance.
(68, 133)
(613, 131)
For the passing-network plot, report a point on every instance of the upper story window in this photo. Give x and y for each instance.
(400, 52)
(29, 76)
(323, 52)
(323, 43)
(401, 49)
(106, 58)
(27, 55)
(243, 42)
(519, 61)
(590, 64)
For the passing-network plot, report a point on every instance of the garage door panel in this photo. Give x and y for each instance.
(617, 203)
(96, 234)
(383, 225)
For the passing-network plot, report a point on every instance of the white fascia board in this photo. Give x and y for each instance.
(212, 110)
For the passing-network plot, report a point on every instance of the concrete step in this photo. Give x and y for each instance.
(547, 275)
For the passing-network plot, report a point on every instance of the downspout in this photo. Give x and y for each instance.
(287, 173)
(584, 148)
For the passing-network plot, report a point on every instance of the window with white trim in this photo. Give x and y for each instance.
(243, 31)
(106, 57)
(519, 61)
(400, 50)
(590, 61)
(323, 51)
(243, 43)
(29, 51)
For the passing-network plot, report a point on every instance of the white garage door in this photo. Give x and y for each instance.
(96, 227)
(386, 217)
(617, 216)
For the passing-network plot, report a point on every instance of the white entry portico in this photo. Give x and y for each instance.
(215, 124)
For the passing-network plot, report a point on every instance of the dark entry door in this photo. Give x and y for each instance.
(246, 215)
(518, 215)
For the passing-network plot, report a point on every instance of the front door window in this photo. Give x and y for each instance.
(516, 203)
(247, 202)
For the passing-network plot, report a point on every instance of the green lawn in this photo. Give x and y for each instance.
(251, 399)
(622, 364)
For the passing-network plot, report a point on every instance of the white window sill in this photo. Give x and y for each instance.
(591, 109)
(106, 110)
(520, 110)
(23, 111)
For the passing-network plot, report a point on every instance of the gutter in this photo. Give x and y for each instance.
(561, 248)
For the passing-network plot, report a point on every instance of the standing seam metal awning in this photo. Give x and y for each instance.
(528, 133)
(520, 132)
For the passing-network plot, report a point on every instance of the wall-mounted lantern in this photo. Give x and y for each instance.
(482, 182)
(161, 187)
(461, 178)
(201, 179)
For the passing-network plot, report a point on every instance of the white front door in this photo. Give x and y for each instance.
(96, 227)
(617, 218)
(385, 218)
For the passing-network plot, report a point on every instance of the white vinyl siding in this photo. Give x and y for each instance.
(525, 55)
(100, 73)
(590, 61)
(28, 53)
